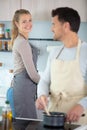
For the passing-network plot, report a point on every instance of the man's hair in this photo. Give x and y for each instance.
(66, 14)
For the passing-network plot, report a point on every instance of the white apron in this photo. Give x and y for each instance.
(67, 85)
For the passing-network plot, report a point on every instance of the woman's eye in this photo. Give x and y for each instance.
(24, 22)
(27, 21)
(30, 20)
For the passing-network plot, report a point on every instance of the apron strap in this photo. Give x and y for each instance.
(60, 52)
(78, 49)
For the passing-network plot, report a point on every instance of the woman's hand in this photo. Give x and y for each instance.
(75, 113)
(41, 102)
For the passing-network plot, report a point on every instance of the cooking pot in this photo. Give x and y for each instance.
(55, 119)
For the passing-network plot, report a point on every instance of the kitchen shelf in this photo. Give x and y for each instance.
(5, 45)
(5, 39)
(5, 51)
(39, 39)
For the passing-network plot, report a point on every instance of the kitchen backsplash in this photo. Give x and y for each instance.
(42, 29)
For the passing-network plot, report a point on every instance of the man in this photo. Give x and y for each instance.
(65, 77)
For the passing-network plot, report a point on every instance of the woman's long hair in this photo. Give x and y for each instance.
(16, 18)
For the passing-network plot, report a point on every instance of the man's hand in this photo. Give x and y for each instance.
(75, 113)
(41, 102)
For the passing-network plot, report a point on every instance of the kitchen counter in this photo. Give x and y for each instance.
(37, 125)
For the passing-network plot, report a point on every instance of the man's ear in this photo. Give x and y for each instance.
(67, 26)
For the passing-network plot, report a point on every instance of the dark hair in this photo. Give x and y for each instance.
(66, 14)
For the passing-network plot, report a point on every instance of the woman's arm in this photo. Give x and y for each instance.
(27, 57)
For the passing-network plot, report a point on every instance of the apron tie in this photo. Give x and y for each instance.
(57, 99)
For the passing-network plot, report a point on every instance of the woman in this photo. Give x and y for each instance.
(25, 73)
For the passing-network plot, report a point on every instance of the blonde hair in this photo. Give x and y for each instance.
(16, 18)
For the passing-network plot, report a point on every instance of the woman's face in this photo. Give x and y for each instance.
(25, 23)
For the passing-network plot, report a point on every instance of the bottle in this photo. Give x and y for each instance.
(6, 117)
(2, 30)
(9, 46)
(7, 33)
(0, 45)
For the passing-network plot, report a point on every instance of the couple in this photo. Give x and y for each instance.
(65, 77)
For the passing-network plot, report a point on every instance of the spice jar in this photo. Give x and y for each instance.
(0, 45)
(2, 30)
(7, 33)
(9, 46)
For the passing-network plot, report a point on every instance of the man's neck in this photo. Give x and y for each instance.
(71, 41)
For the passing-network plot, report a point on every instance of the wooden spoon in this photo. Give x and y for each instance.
(46, 110)
(45, 107)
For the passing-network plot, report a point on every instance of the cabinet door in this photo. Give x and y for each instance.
(7, 9)
(41, 9)
(4, 10)
(79, 5)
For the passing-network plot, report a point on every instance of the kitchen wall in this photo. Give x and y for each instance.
(44, 27)
(41, 30)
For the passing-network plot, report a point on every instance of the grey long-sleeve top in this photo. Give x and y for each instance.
(67, 54)
(23, 58)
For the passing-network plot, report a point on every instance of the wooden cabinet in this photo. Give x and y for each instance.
(79, 5)
(41, 9)
(7, 9)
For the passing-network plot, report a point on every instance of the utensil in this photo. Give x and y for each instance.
(45, 107)
(46, 110)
